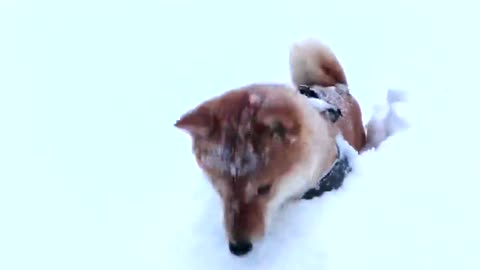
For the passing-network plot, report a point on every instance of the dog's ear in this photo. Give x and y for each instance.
(279, 117)
(198, 122)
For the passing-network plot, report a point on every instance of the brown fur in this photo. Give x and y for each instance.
(350, 125)
(263, 144)
(313, 63)
(244, 140)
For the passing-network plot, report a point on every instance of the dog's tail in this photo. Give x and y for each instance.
(314, 63)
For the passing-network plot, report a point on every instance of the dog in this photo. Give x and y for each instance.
(263, 144)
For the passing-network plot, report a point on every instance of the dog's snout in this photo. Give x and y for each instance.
(240, 248)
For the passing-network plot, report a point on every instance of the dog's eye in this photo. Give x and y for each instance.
(263, 190)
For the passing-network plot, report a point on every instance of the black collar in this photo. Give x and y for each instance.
(333, 179)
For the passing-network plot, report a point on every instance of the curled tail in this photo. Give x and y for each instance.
(314, 63)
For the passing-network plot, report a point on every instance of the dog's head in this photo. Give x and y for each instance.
(247, 141)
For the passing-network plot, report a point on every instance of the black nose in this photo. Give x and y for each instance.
(240, 248)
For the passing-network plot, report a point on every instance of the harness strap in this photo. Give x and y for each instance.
(333, 178)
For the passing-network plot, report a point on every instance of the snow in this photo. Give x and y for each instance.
(320, 104)
(410, 205)
(93, 175)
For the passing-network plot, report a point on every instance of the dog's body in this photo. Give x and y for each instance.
(312, 63)
(263, 144)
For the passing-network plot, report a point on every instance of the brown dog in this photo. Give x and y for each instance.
(263, 144)
(312, 63)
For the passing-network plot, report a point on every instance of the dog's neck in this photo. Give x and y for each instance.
(333, 177)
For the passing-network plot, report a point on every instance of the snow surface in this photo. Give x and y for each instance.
(94, 176)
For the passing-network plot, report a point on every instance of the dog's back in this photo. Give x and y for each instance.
(314, 64)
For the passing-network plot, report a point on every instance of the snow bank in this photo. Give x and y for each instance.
(410, 205)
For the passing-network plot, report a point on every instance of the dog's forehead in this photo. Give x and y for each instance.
(241, 148)
(231, 105)
(242, 103)
(231, 152)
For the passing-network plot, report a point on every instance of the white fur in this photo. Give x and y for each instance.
(317, 141)
(318, 149)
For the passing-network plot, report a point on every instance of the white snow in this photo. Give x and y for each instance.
(410, 205)
(93, 175)
(320, 104)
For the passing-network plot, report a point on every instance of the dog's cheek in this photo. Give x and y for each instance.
(220, 188)
(256, 218)
(272, 205)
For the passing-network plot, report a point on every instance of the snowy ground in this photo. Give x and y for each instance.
(94, 176)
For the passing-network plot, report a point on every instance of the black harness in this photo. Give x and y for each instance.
(333, 179)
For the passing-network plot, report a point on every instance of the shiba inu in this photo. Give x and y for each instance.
(261, 145)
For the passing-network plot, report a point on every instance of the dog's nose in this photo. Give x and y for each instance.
(240, 248)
